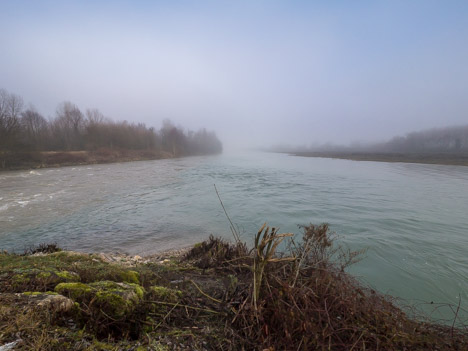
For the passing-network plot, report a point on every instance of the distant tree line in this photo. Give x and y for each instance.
(453, 140)
(26, 130)
(448, 140)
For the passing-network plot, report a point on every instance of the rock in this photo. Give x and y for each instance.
(117, 299)
(106, 258)
(33, 278)
(112, 299)
(10, 345)
(46, 300)
(56, 303)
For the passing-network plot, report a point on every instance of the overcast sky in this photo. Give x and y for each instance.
(256, 72)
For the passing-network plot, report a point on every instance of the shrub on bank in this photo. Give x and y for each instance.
(218, 296)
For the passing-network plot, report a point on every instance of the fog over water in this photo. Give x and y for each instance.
(258, 73)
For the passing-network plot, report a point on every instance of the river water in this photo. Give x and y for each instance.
(411, 218)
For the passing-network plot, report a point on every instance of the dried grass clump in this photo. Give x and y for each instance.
(44, 248)
(304, 300)
(215, 252)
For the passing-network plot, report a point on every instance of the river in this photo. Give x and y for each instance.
(411, 218)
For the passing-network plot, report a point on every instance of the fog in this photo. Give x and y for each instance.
(257, 74)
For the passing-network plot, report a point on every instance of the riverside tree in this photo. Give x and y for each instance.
(24, 132)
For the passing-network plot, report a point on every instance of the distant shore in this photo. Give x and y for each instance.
(52, 159)
(440, 159)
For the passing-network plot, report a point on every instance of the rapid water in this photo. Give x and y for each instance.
(412, 218)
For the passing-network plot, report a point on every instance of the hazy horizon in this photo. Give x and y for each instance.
(257, 74)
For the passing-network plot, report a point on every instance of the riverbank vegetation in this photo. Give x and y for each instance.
(424, 158)
(216, 296)
(28, 140)
(447, 146)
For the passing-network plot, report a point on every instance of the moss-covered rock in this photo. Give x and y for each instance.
(37, 279)
(76, 291)
(116, 299)
(130, 277)
(68, 276)
(161, 293)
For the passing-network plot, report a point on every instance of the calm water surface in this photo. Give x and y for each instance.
(413, 219)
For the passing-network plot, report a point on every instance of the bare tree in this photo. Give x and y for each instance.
(11, 106)
(69, 126)
(94, 116)
(34, 129)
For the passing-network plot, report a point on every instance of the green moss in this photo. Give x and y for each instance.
(75, 290)
(20, 280)
(148, 327)
(139, 290)
(112, 304)
(36, 293)
(130, 277)
(116, 299)
(162, 293)
(39, 279)
(111, 298)
(44, 275)
(68, 276)
(98, 345)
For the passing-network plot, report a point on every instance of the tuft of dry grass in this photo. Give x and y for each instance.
(216, 252)
(302, 299)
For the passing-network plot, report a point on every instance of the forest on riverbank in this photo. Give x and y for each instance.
(28, 139)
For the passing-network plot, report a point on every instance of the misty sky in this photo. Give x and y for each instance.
(256, 72)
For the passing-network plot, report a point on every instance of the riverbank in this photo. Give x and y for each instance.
(440, 159)
(214, 296)
(50, 159)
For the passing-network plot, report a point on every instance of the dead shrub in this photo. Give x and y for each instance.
(42, 248)
(215, 252)
(307, 302)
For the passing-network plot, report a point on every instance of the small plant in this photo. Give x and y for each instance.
(42, 248)
(215, 252)
(266, 242)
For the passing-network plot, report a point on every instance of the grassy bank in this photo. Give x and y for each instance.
(47, 159)
(440, 159)
(215, 296)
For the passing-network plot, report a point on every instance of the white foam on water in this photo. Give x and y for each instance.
(34, 172)
(22, 203)
(4, 207)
